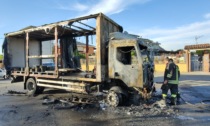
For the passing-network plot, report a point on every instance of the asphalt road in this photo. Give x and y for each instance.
(23, 110)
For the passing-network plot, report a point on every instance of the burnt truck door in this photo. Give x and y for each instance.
(125, 62)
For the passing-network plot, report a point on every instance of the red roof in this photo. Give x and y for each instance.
(198, 46)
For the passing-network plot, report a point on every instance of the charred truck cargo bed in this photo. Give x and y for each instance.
(48, 56)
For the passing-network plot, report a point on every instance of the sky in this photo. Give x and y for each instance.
(172, 23)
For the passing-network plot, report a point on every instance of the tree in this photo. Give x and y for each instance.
(77, 53)
(200, 52)
(1, 57)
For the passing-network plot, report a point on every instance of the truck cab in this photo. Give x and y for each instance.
(127, 60)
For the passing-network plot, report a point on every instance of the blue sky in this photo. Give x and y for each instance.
(173, 23)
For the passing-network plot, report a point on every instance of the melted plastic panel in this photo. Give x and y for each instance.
(34, 49)
(47, 49)
(16, 52)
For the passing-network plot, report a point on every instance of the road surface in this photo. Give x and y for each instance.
(20, 110)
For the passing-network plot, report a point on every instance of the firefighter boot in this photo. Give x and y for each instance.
(178, 98)
(173, 101)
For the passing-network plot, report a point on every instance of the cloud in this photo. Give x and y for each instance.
(74, 6)
(207, 16)
(95, 6)
(113, 6)
(178, 37)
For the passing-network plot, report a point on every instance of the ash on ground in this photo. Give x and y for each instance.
(12, 92)
(145, 109)
(64, 103)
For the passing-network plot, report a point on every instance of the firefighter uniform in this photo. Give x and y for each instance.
(171, 76)
(178, 96)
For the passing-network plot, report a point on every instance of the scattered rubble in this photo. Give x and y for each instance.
(48, 101)
(15, 93)
(103, 105)
(145, 109)
(150, 107)
(46, 113)
(60, 103)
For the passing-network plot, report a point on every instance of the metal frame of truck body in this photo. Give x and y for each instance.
(104, 26)
(123, 80)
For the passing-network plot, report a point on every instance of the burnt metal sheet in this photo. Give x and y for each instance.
(42, 56)
(130, 74)
(104, 26)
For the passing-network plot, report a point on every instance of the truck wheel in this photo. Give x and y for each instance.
(114, 99)
(5, 77)
(31, 87)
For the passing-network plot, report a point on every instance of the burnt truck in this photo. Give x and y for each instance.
(122, 68)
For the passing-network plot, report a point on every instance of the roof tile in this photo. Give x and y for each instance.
(198, 46)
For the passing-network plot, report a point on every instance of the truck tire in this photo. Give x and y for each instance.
(116, 96)
(32, 88)
(114, 99)
(119, 90)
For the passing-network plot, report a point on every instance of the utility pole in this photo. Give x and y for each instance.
(197, 37)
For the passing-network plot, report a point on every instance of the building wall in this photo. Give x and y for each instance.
(91, 50)
(158, 67)
(206, 62)
(83, 67)
(82, 49)
(1, 64)
(161, 67)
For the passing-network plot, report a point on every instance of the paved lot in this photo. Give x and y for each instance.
(23, 110)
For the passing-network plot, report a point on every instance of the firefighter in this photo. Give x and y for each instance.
(165, 86)
(171, 81)
(178, 96)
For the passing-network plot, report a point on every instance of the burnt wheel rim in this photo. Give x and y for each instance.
(113, 99)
